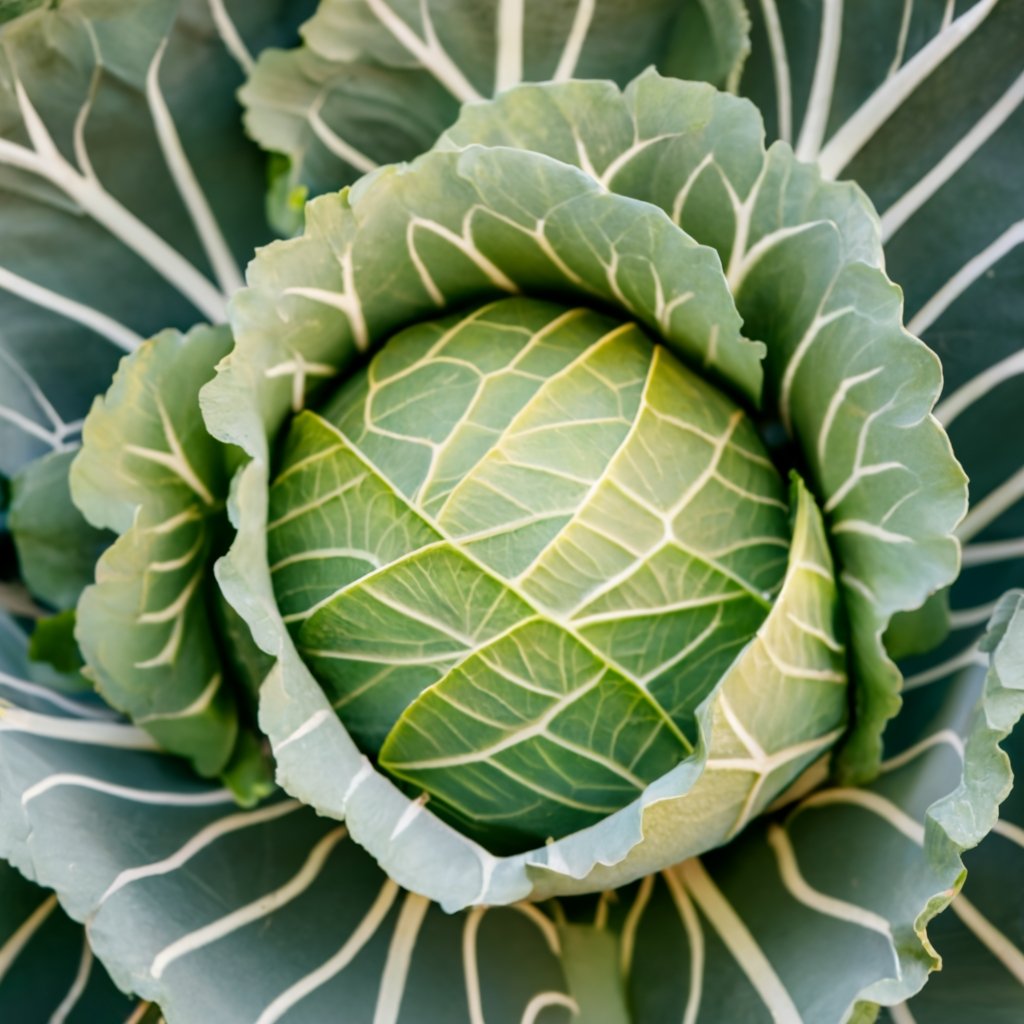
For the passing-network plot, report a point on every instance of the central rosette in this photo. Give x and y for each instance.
(517, 551)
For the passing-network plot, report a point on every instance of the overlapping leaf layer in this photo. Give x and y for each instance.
(126, 195)
(519, 551)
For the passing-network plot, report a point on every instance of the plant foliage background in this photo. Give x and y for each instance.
(130, 201)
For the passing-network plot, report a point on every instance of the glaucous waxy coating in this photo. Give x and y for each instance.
(517, 552)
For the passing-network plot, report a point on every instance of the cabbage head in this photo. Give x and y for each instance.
(564, 578)
(520, 597)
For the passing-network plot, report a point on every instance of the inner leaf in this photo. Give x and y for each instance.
(518, 551)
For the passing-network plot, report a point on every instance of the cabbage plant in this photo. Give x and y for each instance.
(545, 589)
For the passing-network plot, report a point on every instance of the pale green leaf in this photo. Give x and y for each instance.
(53, 643)
(376, 81)
(148, 626)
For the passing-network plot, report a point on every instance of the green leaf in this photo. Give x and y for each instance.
(982, 940)
(11, 9)
(711, 44)
(495, 776)
(840, 886)
(53, 642)
(57, 548)
(149, 471)
(845, 883)
(196, 891)
(803, 259)
(928, 119)
(921, 630)
(129, 196)
(40, 672)
(559, 427)
(376, 81)
(47, 969)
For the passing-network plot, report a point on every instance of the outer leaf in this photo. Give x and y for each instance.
(174, 906)
(53, 643)
(47, 970)
(149, 470)
(924, 173)
(850, 385)
(188, 893)
(928, 118)
(377, 81)
(711, 44)
(982, 940)
(57, 549)
(121, 153)
(844, 885)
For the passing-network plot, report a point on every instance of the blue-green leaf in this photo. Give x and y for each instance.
(47, 969)
(376, 81)
(129, 196)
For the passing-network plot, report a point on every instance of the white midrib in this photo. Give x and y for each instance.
(61, 429)
(214, 244)
(396, 968)
(107, 327)
(46, 161)
(812, 131)
(694, 939)
(851, 137)
(970, 272)
(801, 890)
(574, 42)
(427, 50)
(259, 908)
(999, 500)
(92, 733)
(463, 243)
(508, 62)
(202, 798)
(340, 147)
(997, 943)
(739, 941)
(66, 704)
(780, 69)
(230, 36)
(60, 433)
(359, 937)
(205, 837)
(78, 985)
(980, 132)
